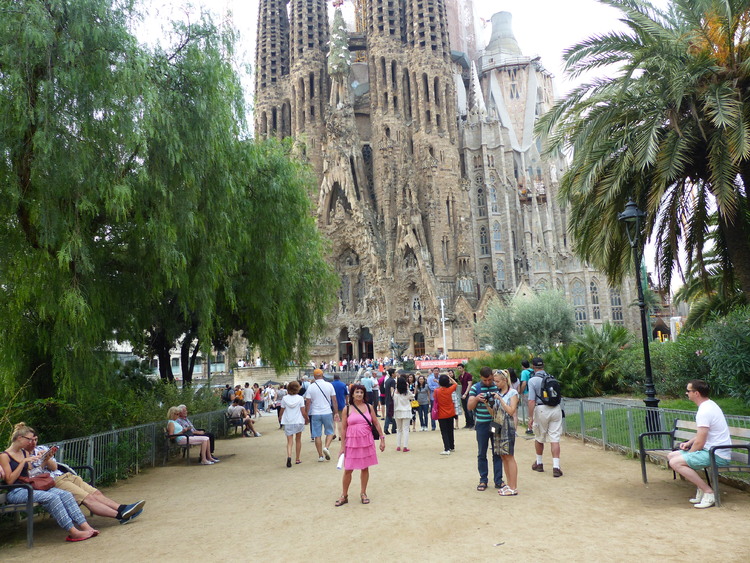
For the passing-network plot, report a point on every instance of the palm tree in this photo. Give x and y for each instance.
(671, 130)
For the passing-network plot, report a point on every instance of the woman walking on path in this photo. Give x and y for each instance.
(422, 394)
(14, 463)
(506, 401)
(293, 418)
(402, 412)
(443, 396)
(412, 383)
(357, 443)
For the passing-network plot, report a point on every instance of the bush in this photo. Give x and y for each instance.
(539, 322)
(727, 351)
(500, 360)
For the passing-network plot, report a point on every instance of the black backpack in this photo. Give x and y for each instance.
(550, 393)
(226, 395)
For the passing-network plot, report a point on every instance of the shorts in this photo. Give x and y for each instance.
(292, 429)
(76, 486)
(547, 424)
(701, 459)
(321, 421)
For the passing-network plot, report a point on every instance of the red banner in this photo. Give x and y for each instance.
(429, 364)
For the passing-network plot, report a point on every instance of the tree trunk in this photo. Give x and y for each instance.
(737, 237)
(187, 359)
(161, 346)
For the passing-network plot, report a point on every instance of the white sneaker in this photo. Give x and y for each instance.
(258, 434)
(707, 501)
(326, 453)
(321, 458)
(698, 496)
(446, 452)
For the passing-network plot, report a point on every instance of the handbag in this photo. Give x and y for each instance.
(375, 433)
(414, 404)
(42, 482)
(501, 428)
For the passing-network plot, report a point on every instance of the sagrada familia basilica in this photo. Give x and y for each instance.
(433, 190)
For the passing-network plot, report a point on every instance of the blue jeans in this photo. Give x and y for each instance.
(483, 441)
(390, 422)
(423, 411)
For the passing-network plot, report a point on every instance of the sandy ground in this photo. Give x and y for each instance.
(424, 508)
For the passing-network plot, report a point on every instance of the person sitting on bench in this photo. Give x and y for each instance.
(91, 498)
(238, 412)
(694, 454)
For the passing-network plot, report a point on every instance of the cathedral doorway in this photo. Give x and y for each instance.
(345, 345)
(418, 344)
(366, 349)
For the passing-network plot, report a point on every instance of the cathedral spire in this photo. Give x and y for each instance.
(477, 99)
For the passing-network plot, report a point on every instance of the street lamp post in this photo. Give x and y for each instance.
(442, 320)
(633, 219)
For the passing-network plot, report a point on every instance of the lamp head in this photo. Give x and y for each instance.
(632, 217)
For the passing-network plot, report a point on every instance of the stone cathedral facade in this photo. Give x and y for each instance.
(432, 188)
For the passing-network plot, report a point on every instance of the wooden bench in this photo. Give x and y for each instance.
(28, 507)
(685, 430)
(237, 423)
(170, 441)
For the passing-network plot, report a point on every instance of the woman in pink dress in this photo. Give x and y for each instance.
(357, 443)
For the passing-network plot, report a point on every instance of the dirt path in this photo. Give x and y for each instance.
(424, 508)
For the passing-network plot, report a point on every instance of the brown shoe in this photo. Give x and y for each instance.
(556, 472)
(537, 467)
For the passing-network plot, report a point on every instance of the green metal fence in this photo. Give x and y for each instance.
(119, 453)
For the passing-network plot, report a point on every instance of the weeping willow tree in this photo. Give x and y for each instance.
(131, 205)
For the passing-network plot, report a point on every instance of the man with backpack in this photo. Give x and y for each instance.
(545, 415)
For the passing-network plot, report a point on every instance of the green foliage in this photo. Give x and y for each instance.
(672, 365)
(132, 205)
(727, 351)
(729, 405)
(128, 402)
(539, 322)
(500, 360)
(667, 129)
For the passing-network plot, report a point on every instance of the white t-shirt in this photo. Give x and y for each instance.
(321, 394)
(709, 415)
(292, 405)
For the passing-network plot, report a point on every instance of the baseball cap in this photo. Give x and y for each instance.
(537, 362)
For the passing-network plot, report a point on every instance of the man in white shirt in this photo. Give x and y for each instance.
(693, 454)
(322, 407)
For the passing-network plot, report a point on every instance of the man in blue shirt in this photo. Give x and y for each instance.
(479, 395)
(341, 392)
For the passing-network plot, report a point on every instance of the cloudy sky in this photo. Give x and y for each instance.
(541, 27)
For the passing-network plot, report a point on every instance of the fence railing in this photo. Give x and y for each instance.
(617, 425)
(118, 453)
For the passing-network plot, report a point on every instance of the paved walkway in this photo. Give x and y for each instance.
(424, 508)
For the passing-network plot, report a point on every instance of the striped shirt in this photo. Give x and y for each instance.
(481, 414)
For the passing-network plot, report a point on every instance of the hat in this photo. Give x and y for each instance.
(318, 372)
(537, 362)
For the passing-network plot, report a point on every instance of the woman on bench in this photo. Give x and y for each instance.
(174, 428)
(15, 463)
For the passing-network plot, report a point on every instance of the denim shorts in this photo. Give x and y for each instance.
(701, 459)
(320, 422)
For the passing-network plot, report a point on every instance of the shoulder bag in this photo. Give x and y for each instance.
(375, 433)
(500, 429)
(42, 482)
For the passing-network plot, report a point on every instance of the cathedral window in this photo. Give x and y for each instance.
(484, 244)
(615, 302)
(595, 311)
(497, 239)
(493, 200)
(481, 202)
(541, 286)
(500, 275)
(579, 304)
(486, 275)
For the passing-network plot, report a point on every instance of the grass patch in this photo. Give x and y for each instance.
(729, 405)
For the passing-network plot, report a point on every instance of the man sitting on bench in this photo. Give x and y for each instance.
(237, 412)
(693, 455)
